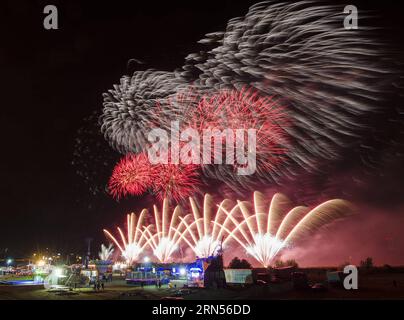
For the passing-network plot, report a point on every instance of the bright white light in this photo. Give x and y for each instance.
(146, 259)
(265, 247)
(164, 249)
(183, 271)
(41, 263)
(9, 261)
(207, 247)
(106, 252)
(119, 266)
(58, 272)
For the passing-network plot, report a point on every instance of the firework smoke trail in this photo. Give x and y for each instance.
(165, 238)
(264, 235)
(331, 82)
(135, 241)
(202, 234)
(301, 54)
(135, 106)
(92, 156)
(106, 252)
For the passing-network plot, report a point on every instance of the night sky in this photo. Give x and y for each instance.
(52, 80)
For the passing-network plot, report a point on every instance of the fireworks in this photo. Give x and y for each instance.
(92, 156)
(136, 105)
(330, 82)
(263, 235)
(202, 234)
(132, 175)
(135, 241)
(314, 90)
(167, 233)
(175, 182)
(106, 252)
(244, 109)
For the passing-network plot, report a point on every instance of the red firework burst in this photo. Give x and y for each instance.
(131, 176)
(134, 175)
(175, 182)
(246, 109)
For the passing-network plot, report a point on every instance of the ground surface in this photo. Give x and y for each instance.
(376, 286)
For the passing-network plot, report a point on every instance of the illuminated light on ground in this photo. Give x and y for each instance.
(118, 266)
(58, 272)
(41, 263)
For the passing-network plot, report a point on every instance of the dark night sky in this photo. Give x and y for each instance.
(51, 80)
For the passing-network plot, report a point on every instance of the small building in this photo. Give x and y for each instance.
(238, 276)
(154, 274)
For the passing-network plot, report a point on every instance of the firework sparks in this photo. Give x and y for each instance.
(106, 252)
(131, 176)
(134, 106)
(246, 109)
(264, 235)
(135, 241)
(330, 82)
(166, 236)
(202, 234)
(135, 175)
(92, 156)
(175, 182)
